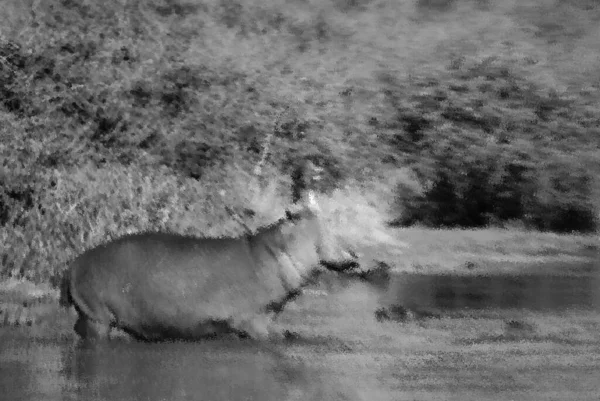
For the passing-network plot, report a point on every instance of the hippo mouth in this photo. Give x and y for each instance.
(378, 275)
(345, 266)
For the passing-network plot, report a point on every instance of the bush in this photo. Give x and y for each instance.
(496, 150)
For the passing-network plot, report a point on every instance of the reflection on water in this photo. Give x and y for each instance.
(528, 291)
(123, 370)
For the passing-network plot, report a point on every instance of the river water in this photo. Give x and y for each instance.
(536, 292)
(231, 370)
(123, 370)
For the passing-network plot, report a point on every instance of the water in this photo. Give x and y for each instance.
(121, 370)
(232, 370)
(537, 292)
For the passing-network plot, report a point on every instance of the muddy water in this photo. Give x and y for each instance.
(233, 370)
(212, 370)
(532, 291)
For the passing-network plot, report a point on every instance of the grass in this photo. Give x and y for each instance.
(432, 250)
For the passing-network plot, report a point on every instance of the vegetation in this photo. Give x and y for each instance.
(118, 116)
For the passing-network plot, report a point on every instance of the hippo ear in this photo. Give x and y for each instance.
(312, 202)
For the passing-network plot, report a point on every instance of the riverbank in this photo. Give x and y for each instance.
(495, 355)
(491, 250)
(421, 250)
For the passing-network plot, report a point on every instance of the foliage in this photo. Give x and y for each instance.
(489, 147)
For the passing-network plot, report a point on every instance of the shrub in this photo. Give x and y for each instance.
(496, 150)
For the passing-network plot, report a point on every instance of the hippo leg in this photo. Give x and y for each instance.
(214, 328)
(259, 327)
(89, 330)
